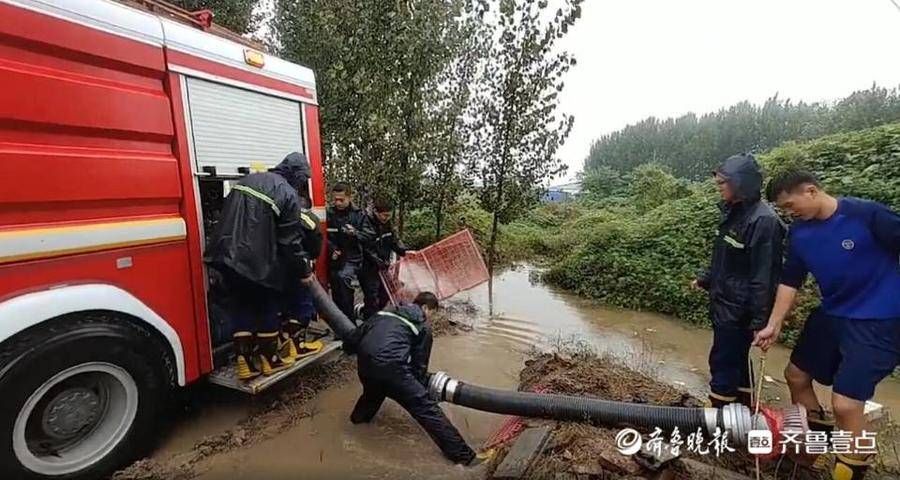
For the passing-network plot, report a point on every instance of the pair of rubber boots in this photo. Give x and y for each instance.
(268, 353)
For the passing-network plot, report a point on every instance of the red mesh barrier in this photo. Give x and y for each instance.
(446, 268)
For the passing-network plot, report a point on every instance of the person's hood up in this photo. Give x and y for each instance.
(745, 176)
(411, 312)
(295, 169)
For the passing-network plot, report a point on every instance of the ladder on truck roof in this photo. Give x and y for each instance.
(226, 376)
(202, 19)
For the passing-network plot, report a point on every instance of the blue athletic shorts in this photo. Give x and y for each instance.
(852, 355)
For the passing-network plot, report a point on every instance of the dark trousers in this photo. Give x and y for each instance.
(400, 385)
(252, 307)
(341, 281)
(375, 297)
(728, 361)
(298, 303)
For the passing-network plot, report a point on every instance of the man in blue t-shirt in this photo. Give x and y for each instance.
(852, 341)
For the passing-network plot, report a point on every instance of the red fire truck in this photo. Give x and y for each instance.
(121, 130)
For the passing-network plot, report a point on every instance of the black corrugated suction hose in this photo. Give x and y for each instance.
(329, 312)
(578, 409)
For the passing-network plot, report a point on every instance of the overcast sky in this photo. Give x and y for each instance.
(638, 58)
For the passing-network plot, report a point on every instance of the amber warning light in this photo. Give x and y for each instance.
(252, 57)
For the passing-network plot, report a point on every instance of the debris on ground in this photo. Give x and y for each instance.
(583, 451)
(283, 408)
(454, 318)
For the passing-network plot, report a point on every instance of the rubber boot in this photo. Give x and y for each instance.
(269, 359)
(243, 349)
(719, 401)
(287, 350)
(298, 335)
(847, 468)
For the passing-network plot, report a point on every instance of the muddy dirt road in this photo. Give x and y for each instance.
(324, 444)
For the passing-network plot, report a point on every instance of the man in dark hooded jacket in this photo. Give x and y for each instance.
(258, 247)
(743, 277)
(393, 349)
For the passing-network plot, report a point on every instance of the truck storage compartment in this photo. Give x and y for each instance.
(236, 131)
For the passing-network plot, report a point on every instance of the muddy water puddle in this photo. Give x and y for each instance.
(526, 315)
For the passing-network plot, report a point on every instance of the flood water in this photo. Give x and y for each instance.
(526, 315)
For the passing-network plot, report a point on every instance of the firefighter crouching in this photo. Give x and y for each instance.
(258, 248)
(378, 258)
(393, 349)
(349, 232)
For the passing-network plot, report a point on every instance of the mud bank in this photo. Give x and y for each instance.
(582, 451)
(236, 423)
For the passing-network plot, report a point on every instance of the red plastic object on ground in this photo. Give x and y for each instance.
(445, 268)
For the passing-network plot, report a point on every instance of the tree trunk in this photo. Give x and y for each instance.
(401, 217)
(439, 216)
(492, 255)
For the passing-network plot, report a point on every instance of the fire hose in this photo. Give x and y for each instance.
(735, 419)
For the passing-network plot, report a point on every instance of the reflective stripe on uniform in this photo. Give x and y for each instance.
(308, 221)
(407, 322)
(734, 243)
(261, 196)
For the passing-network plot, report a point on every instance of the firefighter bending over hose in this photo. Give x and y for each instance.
(393, 349)
(258, 248)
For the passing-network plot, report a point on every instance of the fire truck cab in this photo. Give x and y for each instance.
(121, 130)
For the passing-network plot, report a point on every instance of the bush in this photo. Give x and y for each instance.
(646, 260)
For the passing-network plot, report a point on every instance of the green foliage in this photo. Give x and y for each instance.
(603, 182)
(864, 164)
(646, 261)
(692, 146)
(519, 129)
(652, 185)
(382, 77)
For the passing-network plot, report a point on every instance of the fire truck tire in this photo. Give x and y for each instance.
(80, 396)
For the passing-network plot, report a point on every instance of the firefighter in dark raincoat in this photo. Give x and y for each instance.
(258, 248)
(393, 348)
(378, 258)
(349, 234)
(743, 276)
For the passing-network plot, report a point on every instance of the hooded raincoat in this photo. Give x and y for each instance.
(747, 255)
(259, 235)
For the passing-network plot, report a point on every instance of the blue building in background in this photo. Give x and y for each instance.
(562, 193)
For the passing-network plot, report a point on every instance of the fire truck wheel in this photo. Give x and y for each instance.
(79, 397)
